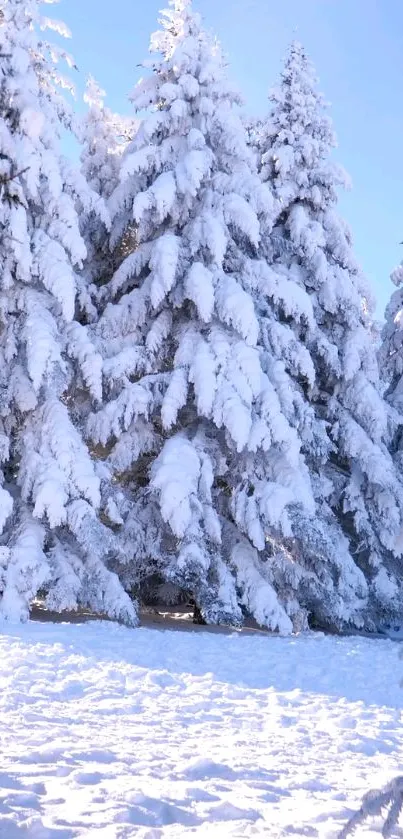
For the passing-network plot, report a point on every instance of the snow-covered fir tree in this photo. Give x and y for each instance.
(193, 430)
(391, 359)
(104, 136)
(325, 339)
(52, 537)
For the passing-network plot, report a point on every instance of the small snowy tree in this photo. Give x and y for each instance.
(51, 535)
(104, 136)
(391, 363)
(193, 429)
(324, 337)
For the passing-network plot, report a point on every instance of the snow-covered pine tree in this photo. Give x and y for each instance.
(391, 361)
(193, 429)
(323, 304)
(104, 136)
(52, 537)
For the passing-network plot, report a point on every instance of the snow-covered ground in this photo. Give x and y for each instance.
(111, 733)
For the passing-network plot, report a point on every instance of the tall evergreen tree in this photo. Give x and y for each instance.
(193, 427)
(51, 535)
(322, 301)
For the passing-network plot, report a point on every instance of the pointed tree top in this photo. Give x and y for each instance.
(181, 44)
(298, 99)
(179, 19)
(297, 60)
(296, 48)
(181, 6)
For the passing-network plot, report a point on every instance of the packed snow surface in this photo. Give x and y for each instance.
(111, 733)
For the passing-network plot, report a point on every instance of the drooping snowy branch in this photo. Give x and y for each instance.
(375, 803)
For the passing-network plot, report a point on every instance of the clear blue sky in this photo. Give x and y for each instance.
(357, 48)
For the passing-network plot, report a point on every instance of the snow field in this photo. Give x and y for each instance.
(109, 733)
